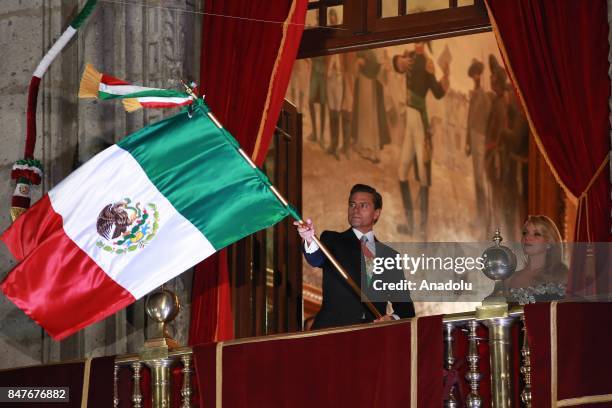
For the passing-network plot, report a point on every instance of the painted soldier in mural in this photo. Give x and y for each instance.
(335, 90)
(417, 146)
(300, 75)
(478, 117)
(515, 139)
(498, 120)
(335, 94)
(348, 67)
(318, 94)
(369, 128)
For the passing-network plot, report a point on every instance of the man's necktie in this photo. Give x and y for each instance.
(368, 258)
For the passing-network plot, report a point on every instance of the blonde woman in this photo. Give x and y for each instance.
(544, 276)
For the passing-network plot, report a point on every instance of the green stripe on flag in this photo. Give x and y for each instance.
(195, 166)
(166, 93)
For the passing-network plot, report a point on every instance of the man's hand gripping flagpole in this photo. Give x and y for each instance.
(307, 232)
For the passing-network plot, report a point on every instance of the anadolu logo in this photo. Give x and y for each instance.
(125, 227)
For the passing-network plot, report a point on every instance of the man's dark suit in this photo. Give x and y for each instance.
(341, 306)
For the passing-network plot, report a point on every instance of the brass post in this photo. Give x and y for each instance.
(160, 382)
(115, 386)
(136, 395)
(450, 402)
(186, 389)
(499, 349)
(473, 376)
(526, 367)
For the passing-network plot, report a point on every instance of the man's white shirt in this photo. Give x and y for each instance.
(313, 247)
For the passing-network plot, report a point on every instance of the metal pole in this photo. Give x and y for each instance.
(136, 394)
(449, 362)
(323, 248)
(186, 389)
(160, 382)
(526, 367)
(473, 376)
(499, 344)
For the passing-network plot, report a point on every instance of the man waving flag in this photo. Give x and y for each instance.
(134, 216)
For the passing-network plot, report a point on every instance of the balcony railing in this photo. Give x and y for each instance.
(160, 360)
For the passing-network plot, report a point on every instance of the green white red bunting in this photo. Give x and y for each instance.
(28, 171)
(102, 86)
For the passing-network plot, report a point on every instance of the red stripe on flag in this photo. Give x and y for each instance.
(57, 284)
(30, 229)
(111, 80)
(157, 105)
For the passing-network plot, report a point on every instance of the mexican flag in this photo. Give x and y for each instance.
(136, 215)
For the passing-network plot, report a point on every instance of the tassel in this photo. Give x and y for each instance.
(21, 199)
(16, 212)
(131, 104)
(90, 84)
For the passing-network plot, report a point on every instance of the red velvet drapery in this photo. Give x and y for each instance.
(248, 50)
(557, 55)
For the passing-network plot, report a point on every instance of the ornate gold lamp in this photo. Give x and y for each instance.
(499, 264)
(162, 307)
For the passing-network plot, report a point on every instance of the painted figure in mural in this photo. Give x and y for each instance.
(544, 276)
(515, 139)
(494, 154)
(394, 85)
(417, 145)
(299, 76)
(355, 249)
(318, 94)
(478, 117)
(335, 93)
(369, 129)
(335, 88)
(349, 68)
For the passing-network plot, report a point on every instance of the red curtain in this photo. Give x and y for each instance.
(557, 54)
(248, 50)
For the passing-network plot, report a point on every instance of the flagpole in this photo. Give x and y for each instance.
(346, 276)
(323, 248)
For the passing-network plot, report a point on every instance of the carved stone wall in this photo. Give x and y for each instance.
(155, 44)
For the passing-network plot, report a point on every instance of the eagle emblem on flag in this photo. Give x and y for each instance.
(125, 227)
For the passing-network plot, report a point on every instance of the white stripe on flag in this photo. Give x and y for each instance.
(110, 177)
(162, 99)
(124, 89)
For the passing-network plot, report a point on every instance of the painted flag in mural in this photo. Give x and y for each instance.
(134, 216)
